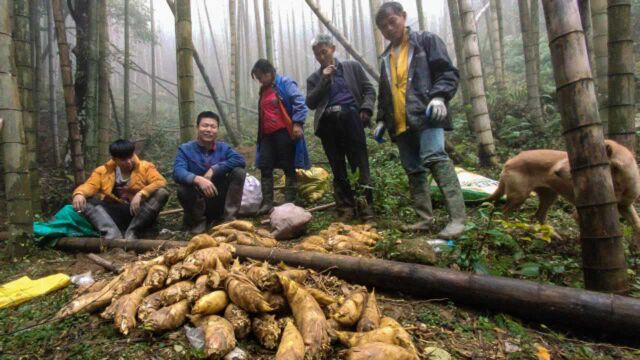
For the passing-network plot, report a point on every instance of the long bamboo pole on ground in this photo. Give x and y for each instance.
(22, 42)
(601, 54)
(573, 307)
(184, 53)
(91, 124)
(268, 30)
(603, 259)
(621, 105)
(69, 94)
(53, 107)
(533, 88)
(341, 39)
(127, 65)
(104, 108)
(480, 110)
(14, 150)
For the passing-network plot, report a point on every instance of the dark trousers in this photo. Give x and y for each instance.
(277, 152)
(342, 136)
(225, 205)
(121, 213)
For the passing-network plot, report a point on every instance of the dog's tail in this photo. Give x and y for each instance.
(493, 197)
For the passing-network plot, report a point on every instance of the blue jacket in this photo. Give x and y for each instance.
(293, 101)
(194, 160)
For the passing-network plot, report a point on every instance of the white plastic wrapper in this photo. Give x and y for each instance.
(251, 196)
(195, 335)
(288, 221)
(237, 354)
(84, 279)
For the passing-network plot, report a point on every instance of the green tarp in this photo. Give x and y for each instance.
(66, 222)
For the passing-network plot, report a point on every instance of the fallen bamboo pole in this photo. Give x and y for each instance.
(527, 299)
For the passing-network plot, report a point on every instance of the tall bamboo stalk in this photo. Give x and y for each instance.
(535, 38)
(256, 12)
(480, 111)
(494, 34)
(184, 54)
(345, 26)
(154, 105)
(374, 5)
(621, 106)
(585, 17)
(127, 64)
(15, 162)
(458, 44)
(501, 31)
(91, 127)
(235, 60)
(216, 52)
(53, 107)
(268, 29)
(422, 21)
(75, 144)
(341, 39)
(603, 260)
(601, 54)
(34, 172)
(104, 108)
(533, 89)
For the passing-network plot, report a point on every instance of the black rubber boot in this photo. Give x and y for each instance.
(445, 175)
(147, 214)
(421, 198)
(266, 184)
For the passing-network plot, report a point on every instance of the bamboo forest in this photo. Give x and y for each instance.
(319, 179)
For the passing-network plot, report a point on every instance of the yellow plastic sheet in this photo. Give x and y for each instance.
(25, 289)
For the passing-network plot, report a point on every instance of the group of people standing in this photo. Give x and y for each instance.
(417, 79)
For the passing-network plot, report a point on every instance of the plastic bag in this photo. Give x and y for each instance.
(25, 289)
(312, 183)
(84, 279)
(288, 221)
(474, 186)
(251, 196)
(195, 335)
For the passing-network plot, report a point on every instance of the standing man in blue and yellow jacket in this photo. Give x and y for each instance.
(417, 80)
(210, 176)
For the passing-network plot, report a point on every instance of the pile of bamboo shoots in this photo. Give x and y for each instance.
(283, 308)
(342, 238)
(242, 233)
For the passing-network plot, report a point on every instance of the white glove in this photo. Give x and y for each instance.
(437, 109)
(378, 132)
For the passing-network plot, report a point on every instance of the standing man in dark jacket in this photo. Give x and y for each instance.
(417, 79)
(210, 177)
(343, 99)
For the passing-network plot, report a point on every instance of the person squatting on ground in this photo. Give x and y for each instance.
(125, 194)
(343, 99)
(210, 177)
(417, 79)
(281, 116)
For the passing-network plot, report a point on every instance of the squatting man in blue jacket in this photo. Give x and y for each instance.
(210, 177)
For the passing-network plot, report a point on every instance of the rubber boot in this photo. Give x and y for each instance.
(266, 184)
(419, 189)
(194, 205)
(100, 219)
(445, 175)
(233, 198)
(290, 189)
(147, 213)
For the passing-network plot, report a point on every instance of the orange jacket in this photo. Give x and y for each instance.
(144, 178)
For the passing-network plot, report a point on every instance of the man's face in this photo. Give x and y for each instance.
(324, 54)
(392, 26)
(265, 79)
(125, 164)
(207, 129)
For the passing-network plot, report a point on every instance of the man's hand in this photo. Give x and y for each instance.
(134, 207)
(79, 202)
(365, 117)
(437, 109)
(328, 71)
(206, 186)
(209, 174)
(297, 131)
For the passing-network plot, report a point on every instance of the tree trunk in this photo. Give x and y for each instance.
(91, 125)
(601, 54)
(235, 60)
(53, 106)
(621, 103)
(336, 33)
(154, 106)
(345, 27)
(34, 172)
(184, 53)
(533, 89)
(603, 259)
(215, 50)
(501, 31)
(268, 29)
(127, 58)
(494, 35)
(15, 161)
(374, 5)
(104, 108)
(585, 17)
(482, 122)
(422, 21)
(458, 44)
(256, 12)
(69, 94)
(535, 39)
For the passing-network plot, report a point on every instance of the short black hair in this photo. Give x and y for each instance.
(208, 115)
(391, 7)
(122, 149)
(262, 66)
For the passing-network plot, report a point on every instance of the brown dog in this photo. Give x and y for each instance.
(547, 172)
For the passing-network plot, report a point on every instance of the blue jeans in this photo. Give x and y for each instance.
(420, 149)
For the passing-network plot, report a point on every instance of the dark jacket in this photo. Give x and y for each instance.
(193, 160)
(431, 74)
(319, 89)
(293, 102)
